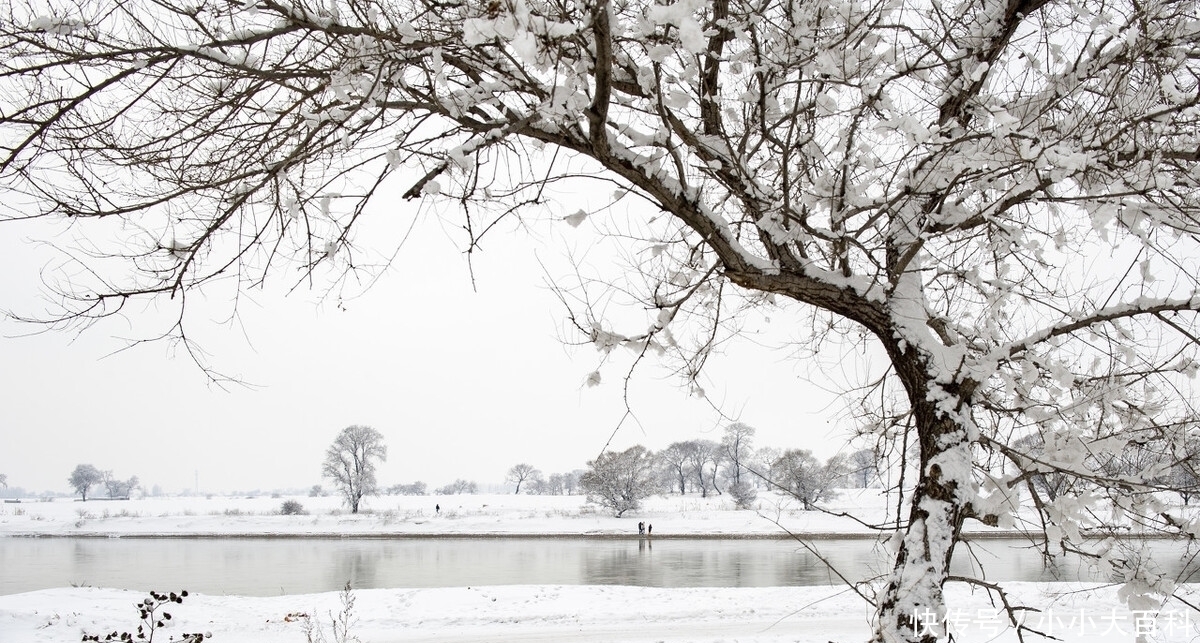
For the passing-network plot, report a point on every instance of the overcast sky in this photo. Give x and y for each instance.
(462, 383)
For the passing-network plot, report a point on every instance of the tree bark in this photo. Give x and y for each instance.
(912, 607)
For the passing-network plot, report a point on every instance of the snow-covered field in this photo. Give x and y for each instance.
(692, 516)
(523, 613)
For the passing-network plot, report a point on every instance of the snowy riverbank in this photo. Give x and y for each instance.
(474, 515)
(522, 613)
(585, 614)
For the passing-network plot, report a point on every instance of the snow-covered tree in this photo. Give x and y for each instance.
(571, 481)
(704, 461)
(759, 464)
(862, 468)
(736, 446)
(351, 462)
(620, 480)
(536, 483)
(676, 469)
(4, 480)
(520, 473)
(998, 196)
(555, 485)
(1184, 476)
(801, 474)
(83, 478)
(115, 487)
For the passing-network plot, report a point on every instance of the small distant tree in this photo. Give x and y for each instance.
(536, 484)
(316, 491)
(83, 478)
(620, 481)
(4, 480)
(115, 487)
(802, 475)
(520, 473)
(1036, 460)
(837, 468)
(1185, 480)
(737, 445)
(554, 485)
(704, 461)
(571, 481)
(675, 463)
(862, 468)
(759, 465)
(351, 462)
(1184, 474)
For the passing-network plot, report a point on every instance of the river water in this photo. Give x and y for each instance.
(266, 567)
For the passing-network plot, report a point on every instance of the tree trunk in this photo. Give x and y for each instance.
(912, 606)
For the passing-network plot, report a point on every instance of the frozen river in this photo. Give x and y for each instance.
(267, 567)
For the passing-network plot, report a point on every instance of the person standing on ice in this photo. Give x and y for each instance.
(641, 528)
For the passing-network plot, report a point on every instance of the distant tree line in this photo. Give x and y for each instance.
(414, 489)
(732, 465)
(619, 481)
(556, 484)
(459, 486)
(1168, 467)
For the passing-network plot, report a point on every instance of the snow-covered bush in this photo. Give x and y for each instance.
(292, 508)
(743, 493)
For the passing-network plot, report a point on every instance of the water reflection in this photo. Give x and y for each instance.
(260, 567)
(359, 567)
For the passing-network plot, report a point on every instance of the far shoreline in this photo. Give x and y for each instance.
(481, 517)
(821, 536)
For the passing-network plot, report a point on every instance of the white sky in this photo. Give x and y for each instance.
(463, 384)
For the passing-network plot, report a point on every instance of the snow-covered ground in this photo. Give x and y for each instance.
(553, 613)
(524, 613)
(691, 516)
